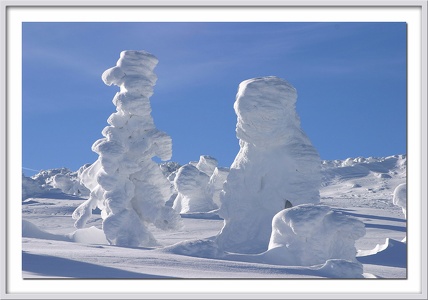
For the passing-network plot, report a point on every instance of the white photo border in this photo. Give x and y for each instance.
(13, 13)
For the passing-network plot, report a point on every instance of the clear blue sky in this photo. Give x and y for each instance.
(350, 78)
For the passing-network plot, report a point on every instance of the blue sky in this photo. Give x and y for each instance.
(350, 79)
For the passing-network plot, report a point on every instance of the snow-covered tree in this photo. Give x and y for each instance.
(216, 182)
(125, 183)
(276, 163)
(194, 194)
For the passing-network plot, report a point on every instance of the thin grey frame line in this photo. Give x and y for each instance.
(3, 162)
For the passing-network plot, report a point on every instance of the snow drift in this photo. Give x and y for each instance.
(125, 183)
(259, 186)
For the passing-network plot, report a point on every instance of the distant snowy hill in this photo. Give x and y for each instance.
(360, 180)
(54, 182)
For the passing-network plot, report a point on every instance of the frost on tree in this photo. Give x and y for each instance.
(276, 163)
(125, 183)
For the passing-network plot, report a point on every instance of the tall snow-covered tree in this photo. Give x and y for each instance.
(276, 163)
(125, 183)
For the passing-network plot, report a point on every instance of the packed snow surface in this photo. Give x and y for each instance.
(53, 248)
(276, 163)
(125, 183)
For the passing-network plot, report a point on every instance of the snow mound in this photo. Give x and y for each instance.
(30, 230)
(276, 163)
(309, 234)
(206, 248)
(194, 194)
(125, 183)
(400, 197)
(340, 268)
(91, 235)
(392, 253)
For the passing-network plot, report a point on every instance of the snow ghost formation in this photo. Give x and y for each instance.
(125, 183)
(309, 234)
(192, 184)
(216, 182)
(400, 197)
(276, 163)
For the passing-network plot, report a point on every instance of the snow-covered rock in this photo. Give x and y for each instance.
(194, 194)
(400, 197)
(308, 234)
(125, 183)
(276, 163)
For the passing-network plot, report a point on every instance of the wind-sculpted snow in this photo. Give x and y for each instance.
(276, 163)
(309, 234)
(125, 183)
(400, 197)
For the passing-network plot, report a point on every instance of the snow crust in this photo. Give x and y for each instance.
(400, 197)
(258, 186)
(309, 234)
(125, 183)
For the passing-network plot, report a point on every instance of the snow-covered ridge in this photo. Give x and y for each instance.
(353, 168)
(390, 167)
(54, 182)
(388, 161)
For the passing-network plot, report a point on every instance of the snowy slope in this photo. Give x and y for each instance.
(362, 188)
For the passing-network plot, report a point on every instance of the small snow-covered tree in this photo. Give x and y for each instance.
(192, 183)
(400, 197)
(125, 183)
(276, 163)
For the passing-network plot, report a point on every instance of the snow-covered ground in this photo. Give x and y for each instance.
(362, 188)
